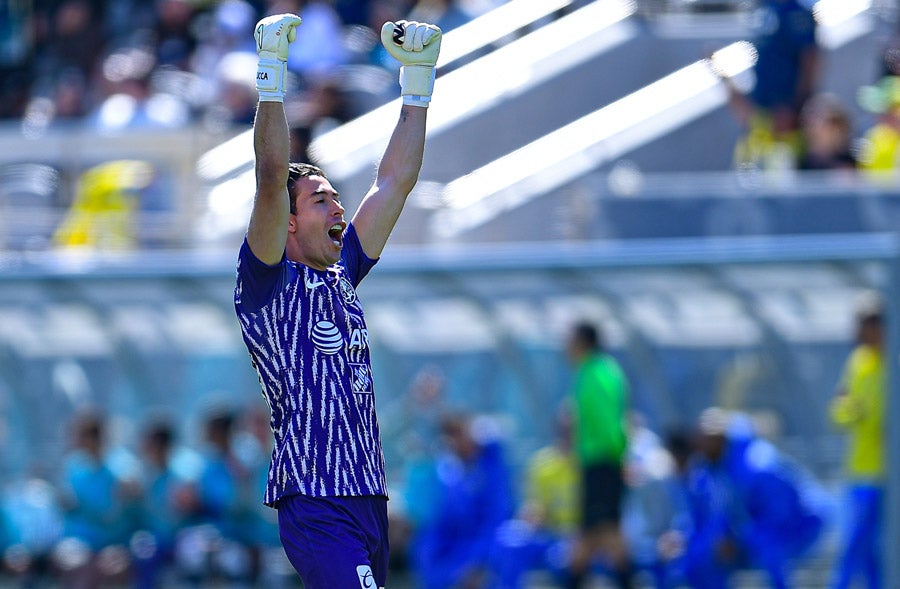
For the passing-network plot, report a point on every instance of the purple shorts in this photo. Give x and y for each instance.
(336, 541)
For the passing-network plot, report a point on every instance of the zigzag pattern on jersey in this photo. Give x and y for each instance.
(326, 437)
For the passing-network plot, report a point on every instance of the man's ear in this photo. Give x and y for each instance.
(292, 223)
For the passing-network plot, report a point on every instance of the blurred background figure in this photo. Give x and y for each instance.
(827, 135)
(215, 547)
(447, 14)
(781, 515)
(859, 410)
(711, 550)
(599, 404)
(420, 448)
(167, 500)
(102, 214)
(879, 153)
(32, 524)
(317, 54)
(787, 74)
(655, 517)
(751, 505)
(100, 500)
(253, 445)
(542, 535)
(474, 497)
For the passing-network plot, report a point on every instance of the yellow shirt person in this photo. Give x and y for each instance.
(860, 411)
(554, 489)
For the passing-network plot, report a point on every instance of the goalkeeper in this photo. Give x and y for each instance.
(302, 323)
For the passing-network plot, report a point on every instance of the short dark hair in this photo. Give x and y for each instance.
(160, 432)
(588, 335)
(296, 171)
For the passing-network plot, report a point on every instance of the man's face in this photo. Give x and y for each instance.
(317, 228)
(870, 332)
(575, 348)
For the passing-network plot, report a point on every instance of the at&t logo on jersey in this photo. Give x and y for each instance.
(359, 338)
(326, 337)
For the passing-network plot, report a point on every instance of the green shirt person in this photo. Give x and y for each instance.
(599, 404)
(600, 395)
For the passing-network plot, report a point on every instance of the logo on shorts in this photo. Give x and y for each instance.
(366, 578)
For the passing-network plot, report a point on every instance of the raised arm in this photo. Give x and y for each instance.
(416, 46)
(267, 232)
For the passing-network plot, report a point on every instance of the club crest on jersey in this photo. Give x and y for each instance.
(347, 291)
(326, 337)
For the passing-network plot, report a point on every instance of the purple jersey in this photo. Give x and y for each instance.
(307, 338)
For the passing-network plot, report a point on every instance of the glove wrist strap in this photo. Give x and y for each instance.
(270, 76)
(416, 84)
(413, 100)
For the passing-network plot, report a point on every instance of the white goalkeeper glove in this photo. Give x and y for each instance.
(416, 46)
(273, 36)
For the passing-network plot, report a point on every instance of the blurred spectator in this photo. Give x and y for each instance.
(750, 505)
(167, 500)
(541, 536)
(319, 51)
(259, 531)
(32, 526)
(381, 11)
(173, 38)
(132, 99)
(301, 138)
(447, 14)
(890, 56)
(655, 515)
(600, 397)
(15, 37)
(72, 39)
(234, 101)
(787, 72)
(426, 408)
(710, 546)
(667, 565)
(782, 517)
(827, 135)
(474, 497)
(859, 409)
(226, 49)
(99, 504)
(100, 215)
(320, 109)
(216, 548)
(879, 148)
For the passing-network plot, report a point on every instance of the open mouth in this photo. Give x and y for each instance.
(336, 234)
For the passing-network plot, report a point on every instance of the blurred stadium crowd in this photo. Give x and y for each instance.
(111, 66)
(169, 512)
(120, 67)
